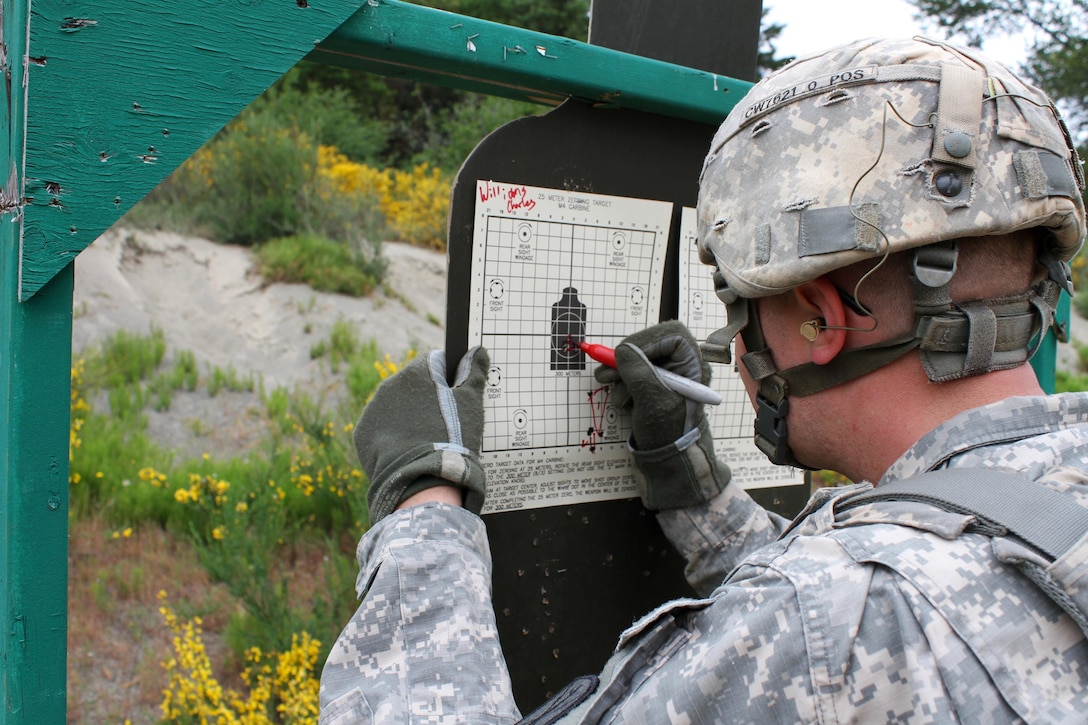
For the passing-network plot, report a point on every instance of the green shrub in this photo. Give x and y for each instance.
(125, 357)
(321, 263)
(343, 342)
(329, 116)
(1080, 302)
(465, 124)
(1067, 382)
(220, 378)
(246, 183)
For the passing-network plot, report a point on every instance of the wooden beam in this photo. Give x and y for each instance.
(35, 363)
(121, 92)
(433, 46)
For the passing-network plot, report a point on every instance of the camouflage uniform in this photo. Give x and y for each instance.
(850, 617)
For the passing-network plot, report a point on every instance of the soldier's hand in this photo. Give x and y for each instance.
(670, 439)
(418, 431)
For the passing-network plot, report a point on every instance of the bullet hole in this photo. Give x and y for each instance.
(117, 201)
(52, 187)
(56, 203)
(166, 132)
(302, 3)
(77, 23)
(72, 230)
(103, 156)
(40, 60)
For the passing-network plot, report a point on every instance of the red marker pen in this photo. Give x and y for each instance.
(690, 389)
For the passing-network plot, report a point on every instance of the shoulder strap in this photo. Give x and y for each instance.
(1006, 503)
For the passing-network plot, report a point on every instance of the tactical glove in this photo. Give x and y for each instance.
(670, 439)
(419, 432)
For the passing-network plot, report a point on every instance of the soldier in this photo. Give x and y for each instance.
(890, 223)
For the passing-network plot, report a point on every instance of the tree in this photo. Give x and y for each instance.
(768, 60)
(566, 18)
(1058, 29)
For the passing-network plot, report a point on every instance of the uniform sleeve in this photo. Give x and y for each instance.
(716, 536)
(423, 645)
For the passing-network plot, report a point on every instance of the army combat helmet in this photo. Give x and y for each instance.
(874, 148)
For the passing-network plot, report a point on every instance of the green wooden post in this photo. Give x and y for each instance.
(1045, 361)
(104, 99)
(34, 403)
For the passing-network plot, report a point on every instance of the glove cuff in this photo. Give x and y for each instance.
(434, 464)
(682, 474)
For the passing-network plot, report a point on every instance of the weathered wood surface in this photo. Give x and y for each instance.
(410, 41)
(120, 93)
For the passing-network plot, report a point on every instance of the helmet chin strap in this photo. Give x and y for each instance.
(776, 386)
(954, 340)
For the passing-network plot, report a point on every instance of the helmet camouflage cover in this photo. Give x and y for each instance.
(877, 147)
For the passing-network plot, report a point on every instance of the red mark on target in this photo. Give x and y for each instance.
(598, 404)
(516, 197)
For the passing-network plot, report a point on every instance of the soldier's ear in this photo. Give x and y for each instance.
(825, 319)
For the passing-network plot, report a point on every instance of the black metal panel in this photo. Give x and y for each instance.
(569, 579)
(720, 36)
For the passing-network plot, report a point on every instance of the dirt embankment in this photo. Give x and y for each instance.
(208, 299)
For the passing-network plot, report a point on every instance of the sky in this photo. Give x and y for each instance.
(815, 25)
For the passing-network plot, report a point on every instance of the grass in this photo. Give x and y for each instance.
(115, 639)
(322, 264)
(270, 530)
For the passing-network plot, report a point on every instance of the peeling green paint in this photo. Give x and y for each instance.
(121, 93)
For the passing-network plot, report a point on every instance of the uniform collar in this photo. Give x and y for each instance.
(1005, 421)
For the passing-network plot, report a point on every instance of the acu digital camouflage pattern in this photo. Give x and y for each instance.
(884, 613)
(423, 646)
(842, 157)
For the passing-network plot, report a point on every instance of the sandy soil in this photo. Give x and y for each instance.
(207, 299)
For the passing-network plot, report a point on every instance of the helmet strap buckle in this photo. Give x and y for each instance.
(772, 430)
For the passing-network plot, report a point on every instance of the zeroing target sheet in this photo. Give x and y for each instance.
(551, 269)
